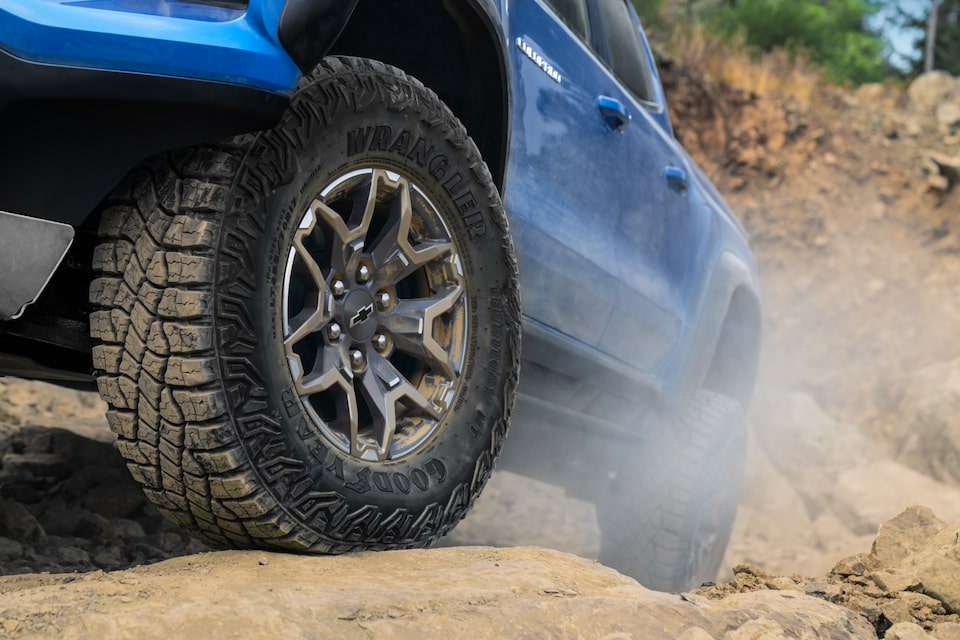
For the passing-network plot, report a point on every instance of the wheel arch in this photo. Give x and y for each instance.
(455, 47)
(733, 368)
(723, 352)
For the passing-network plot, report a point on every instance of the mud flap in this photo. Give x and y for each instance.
(30, 252)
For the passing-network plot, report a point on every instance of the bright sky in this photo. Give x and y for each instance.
(901, 40)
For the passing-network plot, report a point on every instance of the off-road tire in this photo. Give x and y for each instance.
(668, 519)
(190, 339)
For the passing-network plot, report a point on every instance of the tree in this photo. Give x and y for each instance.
(833, 33)
(945, 47)
(930, 49)
(649, 11)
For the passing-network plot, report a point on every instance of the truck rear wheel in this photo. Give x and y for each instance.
(672, 510)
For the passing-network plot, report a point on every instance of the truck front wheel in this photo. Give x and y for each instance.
(309, 337)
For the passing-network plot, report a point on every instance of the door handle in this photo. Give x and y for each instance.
(615, 115)
(676, 178)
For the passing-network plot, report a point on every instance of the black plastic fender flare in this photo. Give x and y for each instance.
(308, 28)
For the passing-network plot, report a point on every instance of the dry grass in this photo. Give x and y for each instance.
(775, 73)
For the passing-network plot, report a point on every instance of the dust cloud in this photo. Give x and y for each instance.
(851, 215)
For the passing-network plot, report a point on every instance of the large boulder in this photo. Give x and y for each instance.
(948, 116)
(927, 435)
(930, 90)
(919, 545)
(810, 448)
(471, 592)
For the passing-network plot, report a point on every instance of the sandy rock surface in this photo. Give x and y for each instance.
(470, 592)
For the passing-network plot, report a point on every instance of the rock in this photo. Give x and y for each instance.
(128, 529)
(911, 607)
(73, 556)
(852, 566)
(906, 631)
(474, 592)
(866, 607)
(822, 589)
(116, 500)
(810, 448)
(27, 465)
(948, 117)
(871, 493)
(911, 575)
(938, 183)
(899, 125)
(95, 527)
(904, 535)
(86, 478)
(843, 478)
(892, 582)
(819, 487)
(10, 549)
(927, 437)
(109, 558)
(948, 166)
(946, 631)
(166, 540)
(60, 520)
(931, 89)
(872, 94)
(19, 524)
(917, 543)
(940, 576)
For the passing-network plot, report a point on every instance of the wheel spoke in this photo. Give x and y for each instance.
(411, 326)
(308, 263)
(318, 302)
(394, 255)
(350, 234)
(303, 324)
(330, 373)
(382, 387)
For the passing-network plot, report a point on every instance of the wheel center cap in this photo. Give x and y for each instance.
(360, 315)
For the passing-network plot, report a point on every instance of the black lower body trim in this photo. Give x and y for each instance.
(70, 135)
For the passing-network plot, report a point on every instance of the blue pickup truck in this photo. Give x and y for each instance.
(295, 244)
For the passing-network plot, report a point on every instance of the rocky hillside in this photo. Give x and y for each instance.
(851, 202)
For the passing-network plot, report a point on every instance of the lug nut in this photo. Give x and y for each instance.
(333, 332)
(363, 273)
(356, 360)
(380, 342)
(338, 287)
(384, 300)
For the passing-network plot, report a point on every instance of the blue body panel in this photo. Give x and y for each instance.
(614, 255)
(162, 37)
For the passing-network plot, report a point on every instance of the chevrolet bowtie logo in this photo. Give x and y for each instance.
(362, 315)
